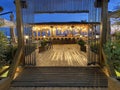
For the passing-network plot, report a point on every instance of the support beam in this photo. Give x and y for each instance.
(104, 21)
(104, 24)
(20, 51)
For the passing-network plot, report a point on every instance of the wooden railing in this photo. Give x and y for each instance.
(30, 55)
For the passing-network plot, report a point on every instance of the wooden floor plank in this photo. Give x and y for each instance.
(56, 88)
(62, 55)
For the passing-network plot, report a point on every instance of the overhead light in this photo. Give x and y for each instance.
(26, 36)
(44, 36)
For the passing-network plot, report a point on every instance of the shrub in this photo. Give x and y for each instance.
(112, 50)
(3, 48)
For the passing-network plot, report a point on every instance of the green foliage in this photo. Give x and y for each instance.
(112, 50)
(44, 42)
(3, 48)
(7, 51)
(10, 53)
(81, 42)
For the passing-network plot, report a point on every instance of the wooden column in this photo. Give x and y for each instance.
(19, 24)
(37, 35)
(51, 33)
(108, 29)
(103, 32)
(54, 33)
(32, 34)
(104, 21)
(12, 33)
(20, 51)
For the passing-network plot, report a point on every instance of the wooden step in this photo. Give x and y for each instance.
(57, 88)
(61, 77)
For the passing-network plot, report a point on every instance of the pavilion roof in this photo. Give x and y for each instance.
(31, 7)
(115, 14)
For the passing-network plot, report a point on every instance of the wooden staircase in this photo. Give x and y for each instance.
(60, 78)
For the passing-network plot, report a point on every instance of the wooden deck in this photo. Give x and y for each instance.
(62, 55)
(69, 71)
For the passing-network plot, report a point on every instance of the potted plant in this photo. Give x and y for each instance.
(43, 45)
(82, 43)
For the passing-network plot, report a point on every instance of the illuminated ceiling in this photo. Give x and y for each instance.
(62, 27)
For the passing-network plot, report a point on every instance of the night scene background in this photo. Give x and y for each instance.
(8, 5)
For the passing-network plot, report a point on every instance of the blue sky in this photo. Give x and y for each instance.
(8, 5)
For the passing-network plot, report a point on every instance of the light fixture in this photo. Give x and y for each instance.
(26, 36)
(44, 36)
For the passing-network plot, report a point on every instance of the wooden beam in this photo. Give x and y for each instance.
(104, 21)
(79, 11)
(20, 50)
(104, 24)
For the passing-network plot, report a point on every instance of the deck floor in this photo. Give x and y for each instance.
(62, 55)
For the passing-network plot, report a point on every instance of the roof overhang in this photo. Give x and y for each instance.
(114, 14)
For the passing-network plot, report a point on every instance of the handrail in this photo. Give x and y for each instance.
(15, 63)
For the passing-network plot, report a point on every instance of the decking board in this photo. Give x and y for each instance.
(62, 55)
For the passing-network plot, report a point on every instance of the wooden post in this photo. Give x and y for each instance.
(20, 51)
(19, 24)
(37, 35)
(104, 21)
(103, 32)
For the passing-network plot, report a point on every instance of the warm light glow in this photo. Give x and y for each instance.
(81, 36)
(62, 27)
(44, 36)
(97, 36)
(26, 36)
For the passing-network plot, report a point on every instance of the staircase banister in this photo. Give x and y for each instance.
(16, 62)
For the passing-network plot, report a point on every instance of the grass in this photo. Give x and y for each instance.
(4, 74)
(117, 73)
(3, 68)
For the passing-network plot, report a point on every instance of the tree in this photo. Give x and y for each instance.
(3, 48)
